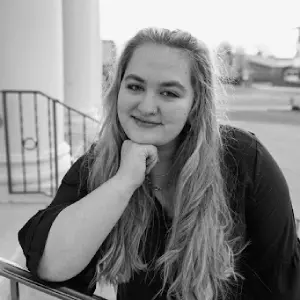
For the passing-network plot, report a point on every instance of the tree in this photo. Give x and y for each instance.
(225, 61)
(225, 52)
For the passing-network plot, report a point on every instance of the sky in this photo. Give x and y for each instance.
(266, 24)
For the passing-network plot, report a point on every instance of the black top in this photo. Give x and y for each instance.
(260, 197)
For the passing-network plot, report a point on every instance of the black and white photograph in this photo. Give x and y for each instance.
(149, 150)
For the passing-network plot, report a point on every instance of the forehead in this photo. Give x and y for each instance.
(160, 63)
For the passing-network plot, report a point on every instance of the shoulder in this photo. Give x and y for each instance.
(239, 146)
(238, 159)
(238, 139)
(244, 149)
(80, 168)
(258, 175)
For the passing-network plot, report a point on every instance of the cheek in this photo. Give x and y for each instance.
(125, 102)
(122, 106)
(178, 115)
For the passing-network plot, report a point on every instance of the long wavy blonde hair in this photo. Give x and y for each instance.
(199, 258)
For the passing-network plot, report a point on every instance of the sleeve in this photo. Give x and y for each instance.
(33, 235)
(274, 248)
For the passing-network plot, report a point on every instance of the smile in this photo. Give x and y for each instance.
(143, 123)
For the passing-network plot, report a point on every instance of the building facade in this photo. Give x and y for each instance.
(50, 54)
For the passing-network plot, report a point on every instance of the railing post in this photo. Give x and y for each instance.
(23, 125)
(7, 146)
(21, 116)
(14, 290)
(55, 143)
(37, 138)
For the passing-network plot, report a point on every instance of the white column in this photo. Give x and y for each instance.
(296, 61)
(31, 58)
(82, 55)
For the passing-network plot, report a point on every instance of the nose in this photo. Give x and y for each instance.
(148, 104)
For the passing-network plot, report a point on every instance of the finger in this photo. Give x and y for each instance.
(151, 162)
(150, 167)
(151, 151)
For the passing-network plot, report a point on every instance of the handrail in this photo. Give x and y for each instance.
(51, 98)
(16, 274)
(60, 122)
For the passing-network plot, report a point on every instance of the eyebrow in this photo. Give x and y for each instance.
(171, 83)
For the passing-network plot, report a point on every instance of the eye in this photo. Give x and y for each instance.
(134, 87)
(169, 94)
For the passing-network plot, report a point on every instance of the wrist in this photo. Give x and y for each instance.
(124, 185)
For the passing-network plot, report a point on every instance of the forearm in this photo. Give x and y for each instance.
(80, 229)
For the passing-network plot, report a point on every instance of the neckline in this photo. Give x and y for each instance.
(163, 212)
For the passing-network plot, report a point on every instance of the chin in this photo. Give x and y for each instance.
(146, 139)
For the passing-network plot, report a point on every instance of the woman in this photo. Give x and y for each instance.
(168, 202)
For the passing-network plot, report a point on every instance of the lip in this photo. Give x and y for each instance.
(145, 121)
(145, 124)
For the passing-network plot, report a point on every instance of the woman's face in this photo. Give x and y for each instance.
(155, 95)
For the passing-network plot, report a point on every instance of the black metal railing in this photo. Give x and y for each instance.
(41, 134)
(18, 275)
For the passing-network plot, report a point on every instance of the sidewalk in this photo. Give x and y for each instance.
(12, 217)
